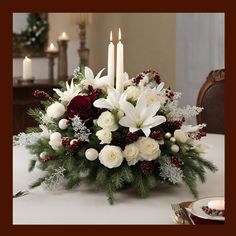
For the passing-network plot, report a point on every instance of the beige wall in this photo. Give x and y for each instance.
(149, 40)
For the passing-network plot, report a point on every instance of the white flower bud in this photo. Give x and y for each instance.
(63, 124)
(56, 110)
(91, 154)
(174, 148)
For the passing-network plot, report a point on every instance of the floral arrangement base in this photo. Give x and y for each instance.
(134, 137)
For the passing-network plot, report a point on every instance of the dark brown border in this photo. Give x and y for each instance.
(7, 7)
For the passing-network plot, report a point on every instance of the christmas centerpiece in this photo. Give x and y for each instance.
(132, 135)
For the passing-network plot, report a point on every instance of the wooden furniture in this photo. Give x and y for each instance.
(23, 99)
(211, 98)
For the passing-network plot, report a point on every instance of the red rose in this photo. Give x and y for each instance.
(83, 107)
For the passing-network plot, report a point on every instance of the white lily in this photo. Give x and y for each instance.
(153, 94)
(190, 128)
(141, 116)
(71, 91)
(97, 81)
(112, 102)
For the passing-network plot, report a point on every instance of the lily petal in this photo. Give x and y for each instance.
(146, 131)
(88, 73)
(154, 121)
(126, 122)
(99, 74)
(102, 103)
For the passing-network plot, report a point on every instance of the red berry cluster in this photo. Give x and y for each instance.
(42, 94)
(176, 161)
(156, 134)
(71, 147)
(169, 94)
(154, 74)
(200, 134)
(138, 78)
(131, 137)
(96, 92)
(47, 158)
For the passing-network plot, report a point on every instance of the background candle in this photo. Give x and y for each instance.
(51, 48)
(111, 62)
(27, 68)
(120, 66)
(63, 36)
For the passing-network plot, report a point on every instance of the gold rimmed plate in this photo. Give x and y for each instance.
(196, 209)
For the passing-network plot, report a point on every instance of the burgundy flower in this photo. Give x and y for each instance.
(83, 107)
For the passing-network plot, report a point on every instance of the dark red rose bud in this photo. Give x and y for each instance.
(156, 134)
(82, 106)
(176, 161)
(131, 137)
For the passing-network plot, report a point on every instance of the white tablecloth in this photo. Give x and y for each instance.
(86, 206)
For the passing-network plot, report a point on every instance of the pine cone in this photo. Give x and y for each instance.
(131, 137)
(171, 126)
(147, 167)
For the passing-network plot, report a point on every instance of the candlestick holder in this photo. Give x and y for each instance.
(21, 80)
(83, 51)
(62, 59)
(51, 56)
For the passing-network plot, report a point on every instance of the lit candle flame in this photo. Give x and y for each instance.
(119, 34)
(51, 46)
(111, 36)
(63, 34)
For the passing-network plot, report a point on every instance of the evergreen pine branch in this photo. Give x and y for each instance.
(35, 113)
(102, 175)
(46, 103)
(142, 186)
(38, 182)
(117, 179)
(32, 164)
(127, 174)
(207, 164)
(195, 167)
(190, 180)
(109, 192)
(74, 179)
(32, 130)
(62, 85)
(151, 181)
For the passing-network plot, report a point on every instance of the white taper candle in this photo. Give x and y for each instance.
(120, 65)
(111, 61)
(27, 68)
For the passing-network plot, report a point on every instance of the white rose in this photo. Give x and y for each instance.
(107, 121)
(111, 156)
(56, 110)
(152, 98)
(131, 154)
(55, 140)
(133, 93)
(181, 136)
(148, 148)
(104, 135)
